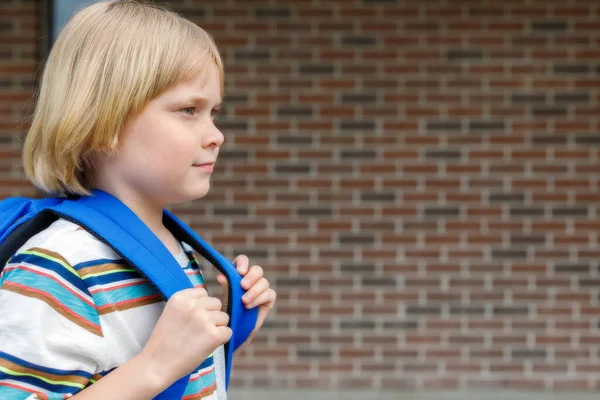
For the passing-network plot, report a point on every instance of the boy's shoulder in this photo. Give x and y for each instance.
(69, 241)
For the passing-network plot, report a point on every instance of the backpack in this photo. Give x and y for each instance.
(112, 222)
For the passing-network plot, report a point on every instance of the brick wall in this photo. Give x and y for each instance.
(20, 53)
(418, 178)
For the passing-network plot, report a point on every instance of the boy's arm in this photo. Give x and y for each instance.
(134, 380)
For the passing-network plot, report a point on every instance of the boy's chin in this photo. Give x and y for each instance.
(198, 192)
(186, 198)
(184, 192)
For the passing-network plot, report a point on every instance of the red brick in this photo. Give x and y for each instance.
(464, 111)
(331, 55)
(335, 367)
(316, 98)
(485, 154)
(314, 12)
(485, 324)
(422, 55)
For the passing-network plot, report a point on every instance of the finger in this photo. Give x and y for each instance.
(258, 288)
(197, 293)
(241, 263)
(255, 273)
(210, 303)
(220, 318)
(225, 333)
(266, 298)
(222, 279)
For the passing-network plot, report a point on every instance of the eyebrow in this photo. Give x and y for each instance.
(202, 100)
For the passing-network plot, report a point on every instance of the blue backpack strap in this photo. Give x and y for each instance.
(113, 222)
(242, 321)
(14, 232)
(16, 210)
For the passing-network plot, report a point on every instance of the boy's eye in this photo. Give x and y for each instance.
(193, 109)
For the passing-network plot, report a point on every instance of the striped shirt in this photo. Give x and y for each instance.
(71, 311)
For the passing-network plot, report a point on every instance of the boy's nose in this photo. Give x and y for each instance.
(213, 138)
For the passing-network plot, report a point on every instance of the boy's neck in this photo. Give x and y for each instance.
(150, 213)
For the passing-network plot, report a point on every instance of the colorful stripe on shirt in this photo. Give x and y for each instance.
(21, 375)
(115, 286)
(202, 382)
(193, 272)
(46, 276)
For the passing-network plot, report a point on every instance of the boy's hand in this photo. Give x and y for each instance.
(188, 314)
(258, 291)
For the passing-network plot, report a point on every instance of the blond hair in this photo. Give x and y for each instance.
(108, 62)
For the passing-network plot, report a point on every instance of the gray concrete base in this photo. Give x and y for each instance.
(300, 394)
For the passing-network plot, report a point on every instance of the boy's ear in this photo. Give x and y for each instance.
(101, 148)
(93, 145)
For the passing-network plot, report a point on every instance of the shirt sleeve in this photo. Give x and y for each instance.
(51, 340)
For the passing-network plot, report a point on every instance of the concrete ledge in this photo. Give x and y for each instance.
(299, 394)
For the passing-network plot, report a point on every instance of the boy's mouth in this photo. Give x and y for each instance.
(205, 166)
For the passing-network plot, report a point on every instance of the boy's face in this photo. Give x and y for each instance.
(166, 152)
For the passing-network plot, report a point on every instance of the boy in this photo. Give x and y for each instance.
(126, 105)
